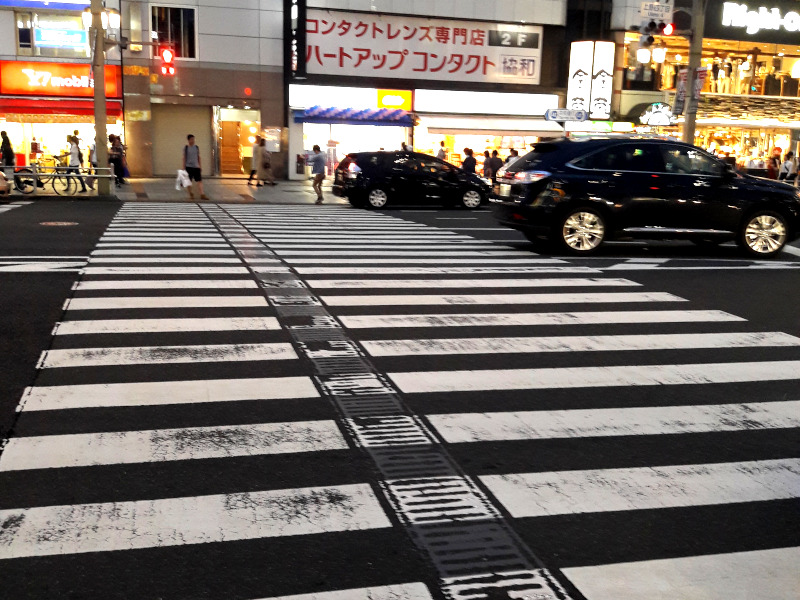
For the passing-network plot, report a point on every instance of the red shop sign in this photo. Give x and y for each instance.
(72, 80)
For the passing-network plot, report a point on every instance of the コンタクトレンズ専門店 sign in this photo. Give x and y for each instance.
(387, 46)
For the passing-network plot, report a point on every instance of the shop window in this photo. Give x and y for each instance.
(178, 27)
(51, 35)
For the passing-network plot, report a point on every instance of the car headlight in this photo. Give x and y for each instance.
(530, 176)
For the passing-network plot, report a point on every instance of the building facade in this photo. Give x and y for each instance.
(750, 69)
(46, 85)
(383, 73)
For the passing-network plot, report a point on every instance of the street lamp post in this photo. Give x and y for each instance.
(98, 37)
(695, 56)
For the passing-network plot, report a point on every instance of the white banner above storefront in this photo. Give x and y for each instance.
(389, 46)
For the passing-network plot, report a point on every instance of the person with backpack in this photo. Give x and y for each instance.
(193, 166)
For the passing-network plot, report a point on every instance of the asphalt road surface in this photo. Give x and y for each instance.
(325, 403)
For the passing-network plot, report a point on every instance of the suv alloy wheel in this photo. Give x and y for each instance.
(581, 231)
(763, 233)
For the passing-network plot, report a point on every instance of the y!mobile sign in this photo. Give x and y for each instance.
(54, 79)
(387, 46)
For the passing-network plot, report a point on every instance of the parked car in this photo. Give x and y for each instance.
(579, 193)
(375, 179)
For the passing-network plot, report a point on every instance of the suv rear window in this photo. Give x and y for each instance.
(536, 157)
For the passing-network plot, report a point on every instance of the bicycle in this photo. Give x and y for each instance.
(49, 170)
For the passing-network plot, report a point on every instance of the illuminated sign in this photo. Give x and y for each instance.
(657, 114)
(55, 79)
(591, 68)
(777, 22)
(395, 99)
(753, 21)
(76, 39)
(51, 4)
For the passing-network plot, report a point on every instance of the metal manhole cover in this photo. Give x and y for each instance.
(58, 223)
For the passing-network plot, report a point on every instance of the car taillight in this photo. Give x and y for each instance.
(352, 171)
(530, 176)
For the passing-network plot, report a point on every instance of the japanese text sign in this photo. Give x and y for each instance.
(388, 46)
(55, 79)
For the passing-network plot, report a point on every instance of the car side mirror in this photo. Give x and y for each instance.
(730, 172)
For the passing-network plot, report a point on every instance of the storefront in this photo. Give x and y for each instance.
(41, 103)
(468, 58)
(751, 70)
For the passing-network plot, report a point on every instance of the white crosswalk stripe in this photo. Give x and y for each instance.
(200, 386)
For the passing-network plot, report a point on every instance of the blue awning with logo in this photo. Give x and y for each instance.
(352, 116)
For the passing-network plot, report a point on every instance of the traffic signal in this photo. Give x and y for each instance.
(650, 29)
(167, 64)
(669, 29)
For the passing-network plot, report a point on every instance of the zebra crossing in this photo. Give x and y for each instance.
(322, 403)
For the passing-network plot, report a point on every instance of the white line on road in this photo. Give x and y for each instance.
(465, 283)
(577, 377)
(162, 355)
(578, 343)
(157, 260)
(159, 393)
(114, 526)
(165, 325)
(552, 267)
(520, 259)
(166, 271)
(793, 250)
(111, 303)
(405, 591)
(763, 574)
(158, 284)
(602, 490)
(191, 443)
(168, 251)
(497, 299)
(462, 428)
(532, 319)
(382, 252)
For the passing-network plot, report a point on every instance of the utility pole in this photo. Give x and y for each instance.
(98, 36)
(695, 56)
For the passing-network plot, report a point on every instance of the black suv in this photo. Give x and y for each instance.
(374, 179)
(580, 192)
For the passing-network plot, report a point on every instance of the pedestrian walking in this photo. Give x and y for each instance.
(442, 154)
(193, 166)
(318, 171)
(788, 170)
(93, 163)
(115, 159)
(774, 163)
(254, 162)
(469, 163)
(75, 161)
(487, 165)
(495, 163)
(7, 155)
(265, 165)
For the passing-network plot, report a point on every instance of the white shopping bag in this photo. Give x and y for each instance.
(182, 181)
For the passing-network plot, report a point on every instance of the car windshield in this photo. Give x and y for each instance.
(535, 158)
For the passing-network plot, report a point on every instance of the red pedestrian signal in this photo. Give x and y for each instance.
(669, 29)
(167, 64)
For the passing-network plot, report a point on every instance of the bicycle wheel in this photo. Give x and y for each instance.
(64, 185)
(24, 181)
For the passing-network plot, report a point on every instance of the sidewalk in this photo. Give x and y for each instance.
(218, 189)
(226, 189)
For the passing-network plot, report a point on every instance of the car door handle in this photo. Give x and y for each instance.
(701, 183)
(599, 181)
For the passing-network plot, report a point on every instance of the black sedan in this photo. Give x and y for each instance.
(579, 193)
(375, 179)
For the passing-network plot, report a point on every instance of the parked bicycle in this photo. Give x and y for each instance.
(50, 170)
